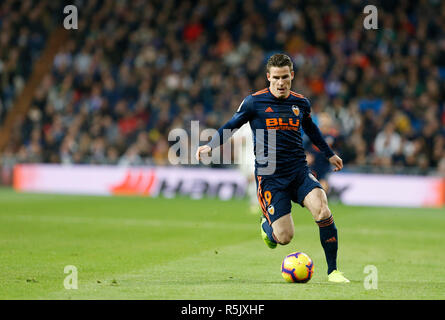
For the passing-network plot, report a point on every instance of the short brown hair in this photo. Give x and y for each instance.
(279, 60)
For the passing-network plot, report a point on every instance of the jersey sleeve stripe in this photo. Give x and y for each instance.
(260, 92)
(297, 95)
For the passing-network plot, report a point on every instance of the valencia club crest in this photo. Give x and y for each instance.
(295, 110)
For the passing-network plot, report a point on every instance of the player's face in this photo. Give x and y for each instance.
(280, 79)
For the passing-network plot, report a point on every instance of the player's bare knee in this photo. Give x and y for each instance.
(285, 239)
(284, 236)
(324, 213)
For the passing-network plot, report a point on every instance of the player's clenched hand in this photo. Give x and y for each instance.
(337, 162)
(202, 149)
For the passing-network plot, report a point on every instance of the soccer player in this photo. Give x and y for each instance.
(280, 111)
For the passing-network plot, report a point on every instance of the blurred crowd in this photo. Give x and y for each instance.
(135, 70)
(24, 29)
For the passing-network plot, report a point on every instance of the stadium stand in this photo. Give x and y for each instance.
(134, 70)
(24, 30)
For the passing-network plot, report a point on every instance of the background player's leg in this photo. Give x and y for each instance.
(252, 194)
(317, 203)
(283, 229)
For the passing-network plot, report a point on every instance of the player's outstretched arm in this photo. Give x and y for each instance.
(337, 162)
(202, 149)
(242, 115)
(315, 135)
(219, 138)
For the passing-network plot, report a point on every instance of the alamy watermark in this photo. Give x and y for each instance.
(371, 280)
(186, 143)
(71, 20)
(371, 20)
(70, 281)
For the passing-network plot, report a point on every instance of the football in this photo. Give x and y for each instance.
(297, 267)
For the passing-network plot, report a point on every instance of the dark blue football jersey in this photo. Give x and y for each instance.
(275, 124)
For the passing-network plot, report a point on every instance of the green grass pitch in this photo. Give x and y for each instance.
(144, 248)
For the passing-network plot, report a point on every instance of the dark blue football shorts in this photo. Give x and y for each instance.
(275, 194)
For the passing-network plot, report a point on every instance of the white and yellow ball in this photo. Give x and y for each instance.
(297, 267)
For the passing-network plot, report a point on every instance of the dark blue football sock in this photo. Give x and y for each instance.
(269, 231)
(329, 241)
